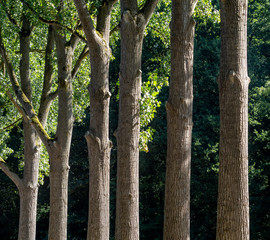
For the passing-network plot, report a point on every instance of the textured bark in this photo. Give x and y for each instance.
(29, 188)
(233, 198)
(99, 146)
(59, 170)
(60, 148)
(47, 95)
(179, 123)
(133, 23)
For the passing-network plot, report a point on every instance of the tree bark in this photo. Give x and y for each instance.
(60, 148)
(99, 146)
(28, 190)
(233, 196)
(133, 23)
(179, 123)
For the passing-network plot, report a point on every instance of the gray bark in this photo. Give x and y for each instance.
(99, 146)
(133, 23)
(233, 196)
(28, 190)
(179, 123)
(59, 148)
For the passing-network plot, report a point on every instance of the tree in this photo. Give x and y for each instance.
(99, 146)
(28, 184)
(179, 123)
(133, 23)
(233, 196)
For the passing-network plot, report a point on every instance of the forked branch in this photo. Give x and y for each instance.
(26, 108)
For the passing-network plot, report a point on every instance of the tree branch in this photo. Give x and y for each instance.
(87, 23)
(148, 9)
(19, 108)
(104, 18)
(33, 120)
(53, 95)
(45, 101)
(13, 176)
(34, 51)
(116, 28)
(11, 125)
(27, 108)
(52, 23)
(82, 56)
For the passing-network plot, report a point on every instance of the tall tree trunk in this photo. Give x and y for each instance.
(133, 23)
(28, 190)
(60, 148)
(99, 146)
(179, 123)
(233, 198)
(99, 149)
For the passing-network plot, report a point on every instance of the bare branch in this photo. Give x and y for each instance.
(47, 79)
(82, 56)
(34, 51)
(74, 40)
(116, 28)
(148, 9)
(13, 176)
(11, 125)
(19, 108)
(53, 95)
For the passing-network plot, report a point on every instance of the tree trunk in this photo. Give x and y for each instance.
(133, 23)
(128, 131)
(233, 198)
(179, 123)
(28, 190)
(28, 209)
(60, 149)
(59, 170)
(99, 149)
(99, 146)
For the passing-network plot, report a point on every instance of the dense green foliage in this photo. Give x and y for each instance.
(156, 72)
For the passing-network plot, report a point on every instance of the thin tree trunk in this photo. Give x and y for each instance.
(132, 28)
(60, 149)
(179, 123)
(28, 209)
(99, 146)
(29, 189)
(233, 196)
